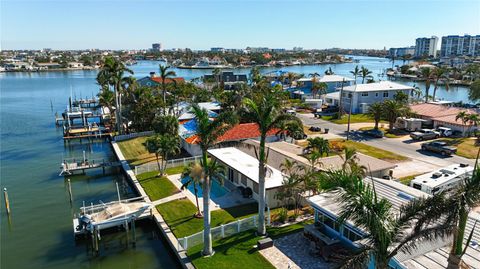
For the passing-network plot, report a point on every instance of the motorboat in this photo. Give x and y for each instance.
(110, 215)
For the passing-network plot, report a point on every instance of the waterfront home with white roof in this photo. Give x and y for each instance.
(428, 254)
(334, 83)
(363, 95)
(242, 170)
(442, 179)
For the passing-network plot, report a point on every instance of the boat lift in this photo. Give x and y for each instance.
(72, 165)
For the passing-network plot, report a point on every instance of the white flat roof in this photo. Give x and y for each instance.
(328, 78)
(446, 174)
(247, 165)
(377, 86)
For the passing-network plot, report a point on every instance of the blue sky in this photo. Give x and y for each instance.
(135, 24)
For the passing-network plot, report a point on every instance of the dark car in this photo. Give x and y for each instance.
(374, 133)
(439, 147)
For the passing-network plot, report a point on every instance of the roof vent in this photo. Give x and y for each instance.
(405, 196)
(436, 175)
(464, 165)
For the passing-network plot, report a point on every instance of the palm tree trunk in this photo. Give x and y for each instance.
(460, 233)
(199, 213)
(207, 235)
(158, 164)
(340, 106)
(376, 125)
(261, 187)
(117, 110)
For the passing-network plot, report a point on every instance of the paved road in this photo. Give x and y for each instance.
(403, 146)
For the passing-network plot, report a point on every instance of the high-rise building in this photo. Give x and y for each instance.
(454, 45)
(399, 52)
(426, 46)
(157, 47)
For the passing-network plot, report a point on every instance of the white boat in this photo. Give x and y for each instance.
(110, 215)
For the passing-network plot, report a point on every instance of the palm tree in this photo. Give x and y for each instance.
(315, 85)
(255, 76)
(350, 162)
(355, 73)
(464, 198)
(426, 74)
(112, 74)
(217, 74)
(265, 110)
(167, 145)
(196, 175)
(291, 77)
(463, 116)
(392, 110)
(375, 110)
(208, 132)
(165, 74)
(439, 74)
(106, 98)
(318, 144)
(388, 230)
(165, 125)
(365, 73)
(153, 144)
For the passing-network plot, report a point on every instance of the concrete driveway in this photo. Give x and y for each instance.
(421, 161)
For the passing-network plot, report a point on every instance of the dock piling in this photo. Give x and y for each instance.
(70, 191)
(126, 231)
(134, 235)
(7, 202)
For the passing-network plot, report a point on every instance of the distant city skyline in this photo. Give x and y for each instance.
(122, 24)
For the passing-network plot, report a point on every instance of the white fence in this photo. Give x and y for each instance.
(132, 135)
(222, 231)
(153, 166)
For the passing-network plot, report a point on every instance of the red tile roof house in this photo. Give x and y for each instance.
(442, 115)
(238, 133)
(154, 81)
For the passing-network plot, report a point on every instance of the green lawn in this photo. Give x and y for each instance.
(386, 132)
(381, 154)
(237, 251)
(174, 170)
(156, 187)
(135, 152)
(354, 118)
(466, 147)
(179, 216)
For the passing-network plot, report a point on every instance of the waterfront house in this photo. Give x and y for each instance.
(238, 133)
(46, 66)
(361, 96)
(428, 254)
(155, 81)
(334, 83)
(440, 115)
(242, 171)
(17, 66)
(228, 79)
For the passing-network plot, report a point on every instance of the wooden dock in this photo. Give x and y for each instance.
(71, 166)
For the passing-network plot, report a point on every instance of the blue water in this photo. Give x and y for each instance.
(216, 191)
(39, 232)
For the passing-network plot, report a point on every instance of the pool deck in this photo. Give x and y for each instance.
(230, 199)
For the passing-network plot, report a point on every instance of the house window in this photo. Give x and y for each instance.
(244, 180)
(385, 94)
(344, 95)
(255, 187)
(364, 93)
(376, 94)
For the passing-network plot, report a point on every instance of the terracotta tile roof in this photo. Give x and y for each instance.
(168, 80)
(439, 112)
(238, 132)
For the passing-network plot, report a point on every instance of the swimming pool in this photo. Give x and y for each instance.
(216, 190)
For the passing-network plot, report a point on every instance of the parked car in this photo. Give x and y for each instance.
(444, 131)
(425, 134)
(374, 133)
(439, 147)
